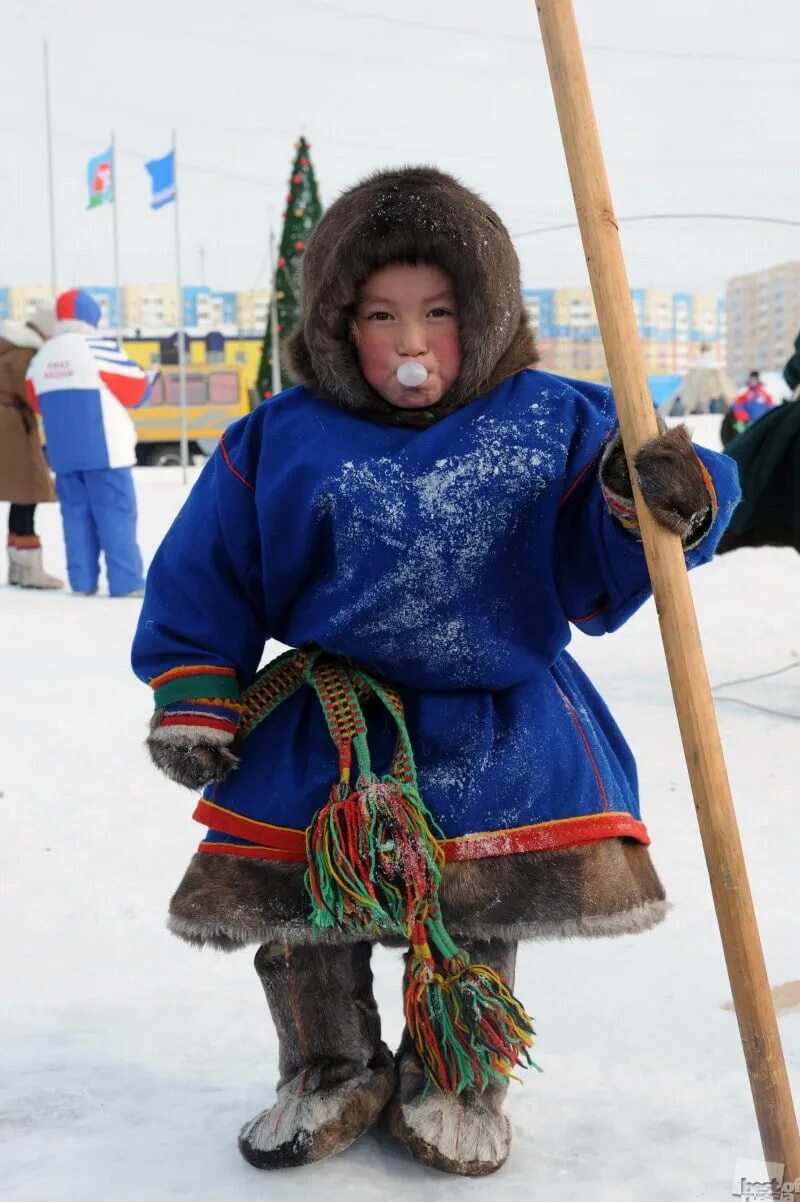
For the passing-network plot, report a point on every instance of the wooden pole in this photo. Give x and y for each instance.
(752, 999)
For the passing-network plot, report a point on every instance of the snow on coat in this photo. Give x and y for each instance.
(450, 560)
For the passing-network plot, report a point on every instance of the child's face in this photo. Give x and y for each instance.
(407, 312)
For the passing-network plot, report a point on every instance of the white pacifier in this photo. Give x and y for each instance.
(411, 374)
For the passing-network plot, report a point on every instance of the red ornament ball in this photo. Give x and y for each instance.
(304, 162)
(281, 262)
(297, 178)
(299, 245)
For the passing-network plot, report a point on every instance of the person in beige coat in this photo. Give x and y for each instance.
(24, 476)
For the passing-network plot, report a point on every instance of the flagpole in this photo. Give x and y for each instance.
(114, 205)
(181, 331)
(273, 317)
(50, 190)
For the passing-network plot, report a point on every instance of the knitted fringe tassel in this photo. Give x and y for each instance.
(468, 1028)
(373, 861)
(374, 865)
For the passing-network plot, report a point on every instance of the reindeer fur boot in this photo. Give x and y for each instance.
(336, 1075)
(465, 1133)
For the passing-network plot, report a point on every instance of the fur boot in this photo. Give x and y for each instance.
(336, 1075)
(26, 569)
(465, 1133)
(13, 566)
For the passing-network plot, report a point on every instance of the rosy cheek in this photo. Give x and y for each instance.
(375, 358)
(447, 349)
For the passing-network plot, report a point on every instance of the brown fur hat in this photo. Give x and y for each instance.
(412, 214)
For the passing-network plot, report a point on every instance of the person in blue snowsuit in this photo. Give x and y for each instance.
(82, 383)
(427, 537)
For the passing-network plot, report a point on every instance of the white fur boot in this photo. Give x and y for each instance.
(336, 1074)
(465, 1133)
(25, 568)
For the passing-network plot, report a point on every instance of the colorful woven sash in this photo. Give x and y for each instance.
(374, 865)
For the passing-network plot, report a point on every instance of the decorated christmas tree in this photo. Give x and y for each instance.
(302, 213)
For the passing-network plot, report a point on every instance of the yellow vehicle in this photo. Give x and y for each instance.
(216, 395)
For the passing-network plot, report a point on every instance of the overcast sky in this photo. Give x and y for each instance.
(697, 105)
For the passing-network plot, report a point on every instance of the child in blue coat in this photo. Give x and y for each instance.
(422, 519)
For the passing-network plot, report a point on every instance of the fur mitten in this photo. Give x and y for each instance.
(672, 479)
(191, 754)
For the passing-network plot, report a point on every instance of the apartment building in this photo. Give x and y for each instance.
(763, 319)
(152, 308)
(252, 308)
(19, 303)
(672, 326)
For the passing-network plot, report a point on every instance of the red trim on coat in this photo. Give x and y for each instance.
(587, 747)
(278, 838)
(547, 836)
(287, 843)
(251, 853)
(192, 719)
(581, 475)
(588, 617)
(227, 459)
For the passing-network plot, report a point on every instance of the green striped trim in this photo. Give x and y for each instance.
(207, 685)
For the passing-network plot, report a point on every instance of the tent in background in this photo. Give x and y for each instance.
(706, 388)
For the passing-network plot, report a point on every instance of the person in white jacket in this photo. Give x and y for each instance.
(82, 384)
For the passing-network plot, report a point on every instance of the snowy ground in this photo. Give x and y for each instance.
(128, 1061)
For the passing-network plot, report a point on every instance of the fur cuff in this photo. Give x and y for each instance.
(180, 735)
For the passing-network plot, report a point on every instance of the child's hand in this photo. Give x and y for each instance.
(670, 477)
(191, 755)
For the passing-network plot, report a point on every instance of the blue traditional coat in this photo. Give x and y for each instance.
(449, 560)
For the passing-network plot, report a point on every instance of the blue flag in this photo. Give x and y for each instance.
(100, 173)
(162, 177)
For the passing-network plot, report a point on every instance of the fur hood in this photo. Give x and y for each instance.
(20, 334)
(406, 215)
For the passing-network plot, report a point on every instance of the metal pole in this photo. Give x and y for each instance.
(181, 330)
(273, 316)
(50, 189)
(114, 203)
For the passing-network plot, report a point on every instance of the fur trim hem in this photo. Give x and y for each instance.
(229, 937)
(595, 890)
(600, 926)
